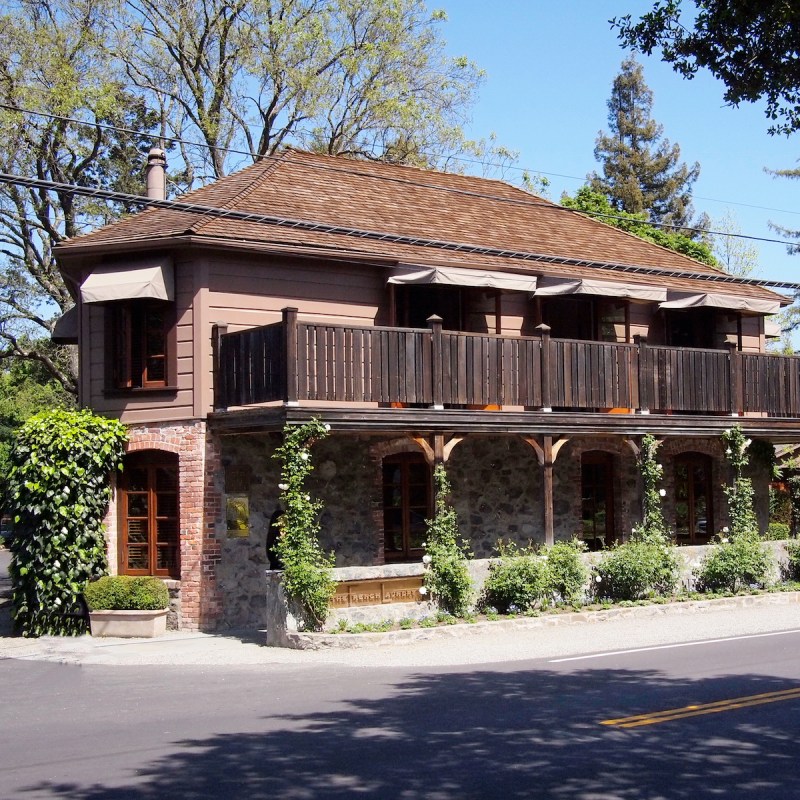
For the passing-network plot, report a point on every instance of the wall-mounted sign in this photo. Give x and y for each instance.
(377, 592)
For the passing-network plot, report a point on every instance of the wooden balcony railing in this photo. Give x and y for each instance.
(293, 361)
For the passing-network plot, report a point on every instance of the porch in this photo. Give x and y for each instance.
(294, 362)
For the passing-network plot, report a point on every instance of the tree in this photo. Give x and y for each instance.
(52, 60)
(735, 255)
(361, 77)
(750, 46)
(598, 206)
(642, 171)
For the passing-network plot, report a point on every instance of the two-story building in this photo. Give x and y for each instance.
(424, 316)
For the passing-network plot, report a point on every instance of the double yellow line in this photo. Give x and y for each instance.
(654, 718)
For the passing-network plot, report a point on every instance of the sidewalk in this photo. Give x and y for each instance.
(483, 643)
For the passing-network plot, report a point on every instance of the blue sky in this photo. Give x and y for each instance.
(549, 68)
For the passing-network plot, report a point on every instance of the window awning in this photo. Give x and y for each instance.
(559, 286)
(65, 331)
(457, 276)
(152, 279)
(772, 329)
(730, 301)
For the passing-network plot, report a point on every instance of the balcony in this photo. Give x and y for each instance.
(294, 361)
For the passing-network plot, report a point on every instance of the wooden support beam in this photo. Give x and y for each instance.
(426, 448)
(547, 448)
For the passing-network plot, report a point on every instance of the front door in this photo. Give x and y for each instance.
(597, 499)
(694, 518)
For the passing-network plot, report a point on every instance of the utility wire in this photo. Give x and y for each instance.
(306, 225)
(603, 215)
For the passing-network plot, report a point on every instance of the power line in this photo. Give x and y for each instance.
(340, 230)
(251, 154)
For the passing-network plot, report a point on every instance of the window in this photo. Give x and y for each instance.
(597, 499)
(694, 518)
(406, 505)
(140, 348)
(149, 522)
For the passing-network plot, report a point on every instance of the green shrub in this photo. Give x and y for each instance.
(792, 568)
(567, 574)
(519, 581)
(57, 495)
(778, 531)
(636, 570)
(126, 593)
(735, 564)
(447, 576)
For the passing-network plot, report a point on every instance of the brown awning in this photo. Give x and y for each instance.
(153, 279)
(560, 286)
(732, 302)
(772, 329)
(458, 276)
(65, 331)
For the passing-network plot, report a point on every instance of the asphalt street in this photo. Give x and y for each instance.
(713, 719)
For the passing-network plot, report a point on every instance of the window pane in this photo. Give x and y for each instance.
(166, 504)
(138, 557)
(166, 478)
(166, 557)
(167, 531)
(137, 504)
(136, 479)
(137, 531)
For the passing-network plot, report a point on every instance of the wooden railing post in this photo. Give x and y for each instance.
(218, 330)
(435, 323)
(735, 378)
(290, 354)
(544, 334)
(645, 374)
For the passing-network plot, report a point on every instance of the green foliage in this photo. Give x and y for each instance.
(126, 593)
(642, 172)
(518, 582)
(778, 531)
(635, 570)
(780, 505)
(792, 569)
(567, 574)
(58, 495)
(447, 576)
(306, 568)
(653, 524)
(751, 47)
(734, 564)
(598, 205)
(740, 492)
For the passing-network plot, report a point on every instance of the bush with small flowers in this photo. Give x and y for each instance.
(307, 578)
(446, 573)
(519, 580)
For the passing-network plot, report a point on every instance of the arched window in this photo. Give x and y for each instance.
(149, 522)
(597, 499)
(694, 508)
(406, 505)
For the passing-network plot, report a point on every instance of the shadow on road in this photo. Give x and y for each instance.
(486, 734)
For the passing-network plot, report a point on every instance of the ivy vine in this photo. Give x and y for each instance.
(58, 495)
(653, 524)
(307, 578)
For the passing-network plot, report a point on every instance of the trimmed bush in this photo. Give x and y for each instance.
(636, 570)
(58, 493)
(567, 574)
(518, 582)
(740, 563)
(126, 593)
(778, 531)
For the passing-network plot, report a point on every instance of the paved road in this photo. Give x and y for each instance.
(525, 729)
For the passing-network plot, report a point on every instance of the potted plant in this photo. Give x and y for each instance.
(127, 606)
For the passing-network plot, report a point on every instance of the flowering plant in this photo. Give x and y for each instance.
(653, 524)
(307, 569)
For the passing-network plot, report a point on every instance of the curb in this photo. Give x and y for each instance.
(351, 641)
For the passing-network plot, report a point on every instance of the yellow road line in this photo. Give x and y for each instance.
(639, 720)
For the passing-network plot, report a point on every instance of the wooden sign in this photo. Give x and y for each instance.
(377, 592)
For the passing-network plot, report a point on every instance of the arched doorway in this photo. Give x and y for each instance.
(406, 479)
(597, 499)
(694, 507)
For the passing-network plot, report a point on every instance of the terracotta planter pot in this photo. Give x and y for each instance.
(128, 624)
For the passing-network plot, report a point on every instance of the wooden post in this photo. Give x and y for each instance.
(218, 330)
(645, 374)
(735, 378)
(544, 334)
(547, 464)
(290, 354)
(435, 323)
